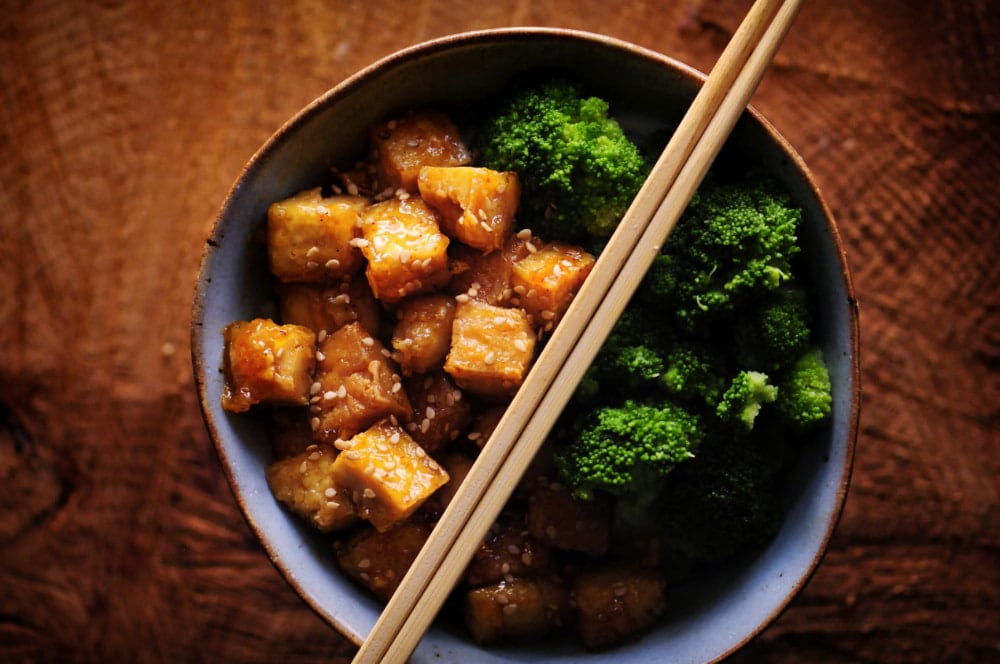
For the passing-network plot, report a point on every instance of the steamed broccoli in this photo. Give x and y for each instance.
(721, 502)
(733, 243)
(693, 374)
(716, 343)
(620, 444)
(804, 391)
(773, 334)
(741, 402)
(578, 169)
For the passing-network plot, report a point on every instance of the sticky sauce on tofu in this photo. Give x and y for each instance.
(411, 309)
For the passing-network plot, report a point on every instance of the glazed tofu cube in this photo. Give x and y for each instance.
(309, 236)
(379, 560)
(491, 349)
(617, 604)
(485, 277)
(304, 483)
(405, 249)
(508, 551)
(440, 412)
(328, 308)
(267, 363)
(563, 522)
(485, 421)
(546, 280)
(387, 474)
(401, 147)
(356, 384)
(422, 334)
(518, 610)
(458, 465)
(477, 205)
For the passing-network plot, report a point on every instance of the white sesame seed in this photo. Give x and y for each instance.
(332, 264)
(369, 493)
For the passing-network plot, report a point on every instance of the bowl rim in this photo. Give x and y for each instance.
(202, 366)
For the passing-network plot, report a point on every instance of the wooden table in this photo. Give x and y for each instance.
(122, 125)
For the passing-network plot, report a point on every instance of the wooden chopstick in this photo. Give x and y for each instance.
(576, 340)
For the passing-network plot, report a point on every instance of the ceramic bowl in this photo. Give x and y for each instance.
(708, 617)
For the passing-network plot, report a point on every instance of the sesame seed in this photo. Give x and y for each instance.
(462, 297)
(312, 265)
(320, 355)
(353, 455)
(321, 336)
(330, 492)
(342, 444)
(520, 345)
(315, 456)
(369, 493)
(490, 357)
(329, 395)
(332, 264)
(364, 563)
(303, 467)
(430, 412)
(315, 387)
(313, 250)
(475, 435)
(524, 234)
(514, 549)
(314, 423)
(322, 209)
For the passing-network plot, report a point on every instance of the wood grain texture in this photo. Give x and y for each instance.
(122, 126)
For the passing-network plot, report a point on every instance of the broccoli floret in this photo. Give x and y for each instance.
(721, 502)
(619, 444)
(742, 400)
(804, 392)
(693, 375)
(773, 334)
(734, 242)
(579, 171)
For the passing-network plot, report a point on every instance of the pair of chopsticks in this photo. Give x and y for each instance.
(584, 328)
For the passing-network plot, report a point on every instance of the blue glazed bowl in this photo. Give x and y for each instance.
(710, 616)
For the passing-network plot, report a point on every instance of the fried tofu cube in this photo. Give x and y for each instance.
(309, 236)
(422, 334)
(402, 146)
(440, 412)
(491, 349)
(356, 384)
(304, 483)
(507, 551)
(546, 280)
(485, 277)
(379, 560)
(328, 308)
(518, 610)
(477, 205)
(458, 464)
(267, 363)
(563, 522)
(387, 474)
(485, 421)
(615, 605)
(405, 249)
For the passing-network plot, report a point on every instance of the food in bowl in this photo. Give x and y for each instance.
(413, 292)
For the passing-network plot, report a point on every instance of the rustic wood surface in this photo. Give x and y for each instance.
(122, 125)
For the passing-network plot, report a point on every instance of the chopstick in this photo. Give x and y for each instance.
(575, 341)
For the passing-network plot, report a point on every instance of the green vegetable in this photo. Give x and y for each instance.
(775, 333)
(735, 242)
(579, 171)
(703, 391)
(721, 503)
(620, 444)
(804, 392)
